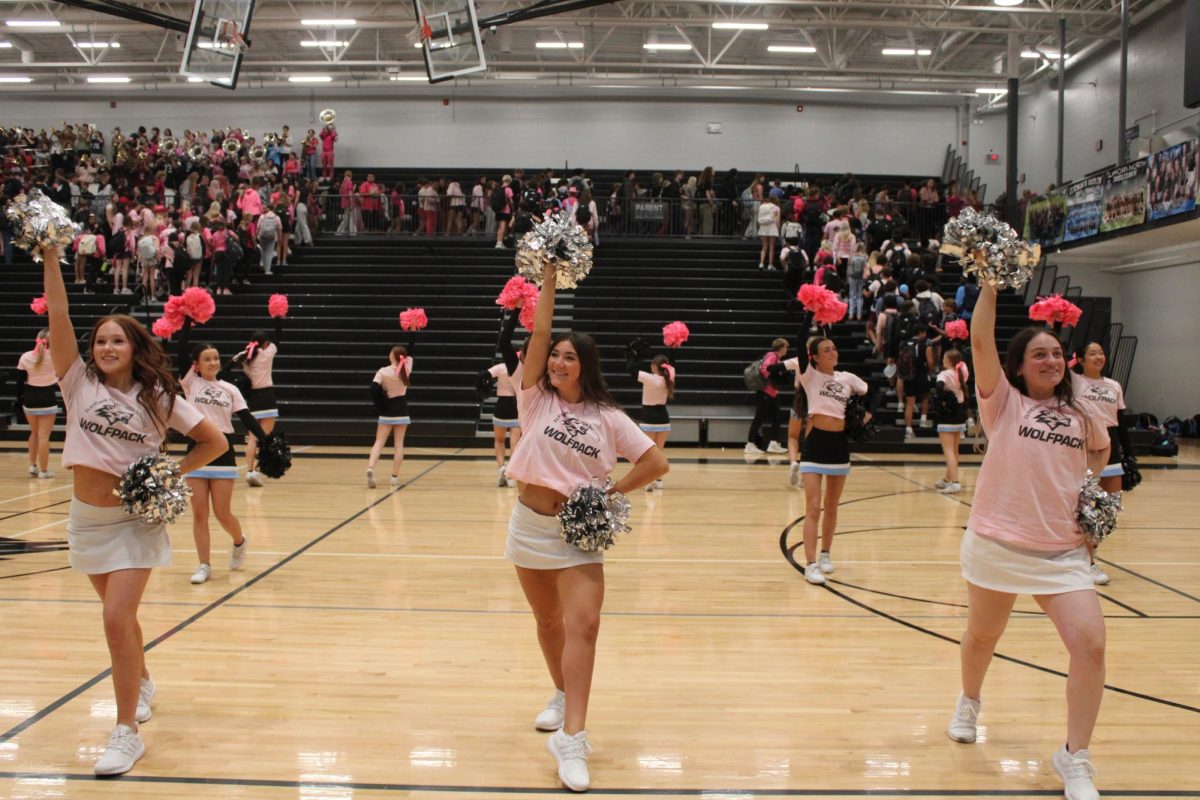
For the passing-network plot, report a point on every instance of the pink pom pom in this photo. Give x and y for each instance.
(277, 305)
(675, 334)
(808, 294)
(528, 311)
(516, 290)
(1055, 309)
(38, 306)
(413, 319)
(174, 311)
(165, 328)
(832, 310)
(957, 329)
(198, 304)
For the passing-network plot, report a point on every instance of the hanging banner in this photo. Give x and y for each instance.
(1085, 199)
(1172, 179)
(1044, 218)
(1125, 196)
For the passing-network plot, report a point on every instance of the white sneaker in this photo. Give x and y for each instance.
(941, 484)
(370, 479)
(500, 246)
(825, 562)
(551, 717)
(145, 697)
(970, 424)
(794, 474)
(394, 482)
(571, 753)
(33, 470)
(776, 447)
(966, 716)
(909, 435)
(658, 485)
(1099, 576)
(509, 482)
(46, 475)
(237, 556)
(926, 423)
(254, 479)
(501, 480)
(762, 265)
(202, 573)
(124, 749)
(951, 488)
(1077, 772)
(813, 574)
(751, 449)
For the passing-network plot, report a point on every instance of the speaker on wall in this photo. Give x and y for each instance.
(1191, 57)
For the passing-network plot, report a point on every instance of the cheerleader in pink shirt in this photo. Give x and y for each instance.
(389, 388)
(258, 362)
(1023, 535)
(575, 431)
(658, 388)
(952, 380)
(35, 392)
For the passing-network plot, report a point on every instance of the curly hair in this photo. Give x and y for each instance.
(151, 368)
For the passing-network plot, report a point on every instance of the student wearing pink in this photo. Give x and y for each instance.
(826, 450)
(35, 391)
(119, 402)
(389, 388)
(658, 387)
(953, 380)
(766, 404)
(574, 431)
(328, 137)
(1023, 536)
(258, 362)
(505, 423)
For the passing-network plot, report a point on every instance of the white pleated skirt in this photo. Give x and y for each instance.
(105, 539)
(535, 542)
(1002, 567)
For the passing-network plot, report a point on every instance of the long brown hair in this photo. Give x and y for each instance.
(1015, 356)
(668, 375)
(400, 352)
(151, 368)
(591, 378)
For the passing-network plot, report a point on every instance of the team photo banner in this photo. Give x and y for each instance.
(1172, 180)
(1125, 196)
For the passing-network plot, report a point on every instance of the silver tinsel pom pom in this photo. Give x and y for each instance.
(591, 518)
(991, 248)
(1098, 510)
(154, 489)
(40, 222)
(560, 239)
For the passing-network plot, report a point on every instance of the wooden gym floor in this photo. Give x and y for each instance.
(377, 645)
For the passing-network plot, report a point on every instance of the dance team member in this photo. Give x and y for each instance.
(505, 425)
(575, 431)
(119, 402)
(219, 401)
(258, 361)
(658, 387)
(952, 379)
(35, 392)
(389, 388)
(1023, 536)
(826, 448)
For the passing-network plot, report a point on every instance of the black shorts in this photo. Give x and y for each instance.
(39, 398)
(395, 411)
(1115, 454)
(917, 387)
(506, 409)
(655, 419)
(261, 403)
(825, 453)
(226, 459)
(502, 217)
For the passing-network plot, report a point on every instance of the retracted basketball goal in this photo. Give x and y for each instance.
(448, 32)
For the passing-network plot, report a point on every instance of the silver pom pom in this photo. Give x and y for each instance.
(991, 248)
(1098, 510)
(154, 489)
(39, 222)
(592, 518)
(556, 238)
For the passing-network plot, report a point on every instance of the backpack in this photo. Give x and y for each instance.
(233, 248)
(898, 261)
(812, 216)
(499, 199)
(1173, 426)
(927, 311)
(87, 244)
(147, 248)
(766, 214)
(268, 226)
(752, 376)
(1164, 445)
(195, 246)
(1147, 422)
(908, 360)
(970, 296)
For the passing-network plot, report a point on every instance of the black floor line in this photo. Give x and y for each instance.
(69, 696)
(1148, 579)
(37, 572)
(35, 510)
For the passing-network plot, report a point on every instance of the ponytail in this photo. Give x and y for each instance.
(40, 345)
(400, 355)
(667, 372)
(964, 374)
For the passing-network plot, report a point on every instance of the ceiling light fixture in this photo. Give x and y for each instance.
(15, 79)
(98, 45)
(1048, 54)
(558, 45)
(323, 43)
(905, 51)
(194, 79)
(666, 46)
(33, 23)
(1008, 3)
(310, 79)
(727, 25)
(790, 48)
(407, 78)
(108, 79)
(990, 90)
(5, 45)
(329, 23)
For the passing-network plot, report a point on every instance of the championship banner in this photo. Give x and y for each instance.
(1172, 179)
(1085, 200)
(1044, 219)
(1125, 196)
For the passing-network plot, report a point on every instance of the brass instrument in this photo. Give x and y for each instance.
(270, 137)
(231, 147)
(258, 152)
(196, 152)
(327, 117)
(169, 144)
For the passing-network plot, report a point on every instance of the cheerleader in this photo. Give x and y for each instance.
(797, 423)
(826, 449)
(258, 360)
(1023, 536)
(35, 393)
(575, 432)
(658, 387)
(1107, 398)
(219, 401)
(119, 403)
(388, 389)
(952, 380)
(504, 418)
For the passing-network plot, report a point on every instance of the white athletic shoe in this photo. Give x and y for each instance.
(571, 753)
(658, 485)
(794, 474)
(909, 436)
(551, 717)
(813, 574)
(501, 480)
(202, 573)
(966, 716)
(751, 449)
(145, 697)
(509, 481)
(254, 479)
(1099, 576)
(941, 484)
(776, 447)
(46, 475)
(394, 482)
(825, 562)
(370, 479)
(124, 749)
(1077, 772)
(33, 470)
(237, 556)
(951, 488)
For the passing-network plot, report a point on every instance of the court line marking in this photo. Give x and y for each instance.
(62, 521)
(69, 696)
(35, 494)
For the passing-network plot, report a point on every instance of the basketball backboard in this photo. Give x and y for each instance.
(216, 41)
(448, 32)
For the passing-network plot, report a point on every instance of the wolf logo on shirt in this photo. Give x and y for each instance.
(112, 412)
(1052, 419)
(576, 429)
(1098, 393)
(574, 425)
(1048, 421)
(211, 396)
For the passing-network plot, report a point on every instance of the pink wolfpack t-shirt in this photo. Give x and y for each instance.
(567, 444)
(504, 384)
(654, 389)
(827, 394)
(1104, 398)
(218, 401)
(40, 375)
(1028, 487)
(107, 429)
(259, 369)
(390, 380)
